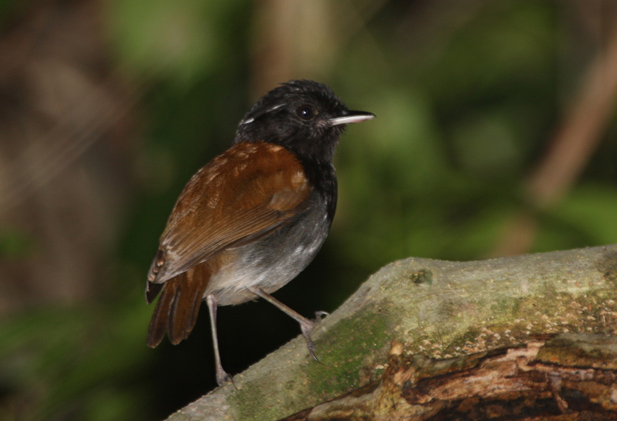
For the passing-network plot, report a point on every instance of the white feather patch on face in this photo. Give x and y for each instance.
(250, 120)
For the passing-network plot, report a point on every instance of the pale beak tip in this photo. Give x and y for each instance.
(352, 117)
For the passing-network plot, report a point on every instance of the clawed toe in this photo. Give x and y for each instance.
(319, 315)
(307, 326)
(222, 378)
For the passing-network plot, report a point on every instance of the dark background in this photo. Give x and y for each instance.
(495, 135)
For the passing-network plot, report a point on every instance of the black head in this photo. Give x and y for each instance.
(304, 116)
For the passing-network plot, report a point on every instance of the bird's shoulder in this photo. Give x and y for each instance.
(241, 195)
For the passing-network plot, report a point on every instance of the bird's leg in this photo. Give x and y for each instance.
(306, 325)
(221, 375)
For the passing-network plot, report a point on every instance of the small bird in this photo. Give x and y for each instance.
(254, 217)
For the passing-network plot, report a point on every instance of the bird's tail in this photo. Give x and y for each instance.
(178, 306)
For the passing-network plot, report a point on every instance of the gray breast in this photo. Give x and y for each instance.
(272, 261)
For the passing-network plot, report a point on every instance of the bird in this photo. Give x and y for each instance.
(254, 217)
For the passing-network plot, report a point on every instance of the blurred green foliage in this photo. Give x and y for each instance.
(15, 244)
(179, 41)
(465, 107)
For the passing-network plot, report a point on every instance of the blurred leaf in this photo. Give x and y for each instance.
(68, 355)
(15, 244)
(8, 7)
(179, 40)
(486, 145)
(513, 40)
(589, 210)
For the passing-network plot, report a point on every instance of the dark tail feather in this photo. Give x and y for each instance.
(177, 309)
(152, 290)
(186, 305)
(160, 317)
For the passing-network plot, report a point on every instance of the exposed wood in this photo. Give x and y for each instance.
(573, 376)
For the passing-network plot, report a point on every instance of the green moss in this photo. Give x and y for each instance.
(343, 357)
(560, 313)
(346, 352)
(249, 401)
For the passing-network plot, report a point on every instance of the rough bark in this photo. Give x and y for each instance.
(415, 333)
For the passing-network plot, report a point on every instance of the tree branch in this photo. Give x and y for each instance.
(433, 308)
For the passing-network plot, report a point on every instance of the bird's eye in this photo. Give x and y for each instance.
(306, 112)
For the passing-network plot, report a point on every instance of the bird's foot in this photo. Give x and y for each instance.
(222, 377)
(306, 326)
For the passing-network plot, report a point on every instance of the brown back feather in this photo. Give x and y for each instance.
(229, 201)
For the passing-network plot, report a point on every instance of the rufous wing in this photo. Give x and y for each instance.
(240, 196)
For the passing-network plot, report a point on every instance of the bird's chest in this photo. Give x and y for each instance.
(272, 261)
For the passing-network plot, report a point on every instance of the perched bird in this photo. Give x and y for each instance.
(254, 217)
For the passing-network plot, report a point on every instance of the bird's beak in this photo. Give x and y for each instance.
(351, 117)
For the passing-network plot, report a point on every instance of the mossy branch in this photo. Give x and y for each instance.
(435, 308)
